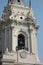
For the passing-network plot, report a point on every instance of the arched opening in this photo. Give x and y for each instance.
(21, 41)
(18, 0)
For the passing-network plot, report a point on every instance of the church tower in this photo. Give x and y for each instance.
(18, 31)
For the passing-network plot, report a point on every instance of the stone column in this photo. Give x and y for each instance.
(30, 38)
(6, 39)
(31, 35)
(28, 45)
(10, 38)
(32, 41)
(14, 39)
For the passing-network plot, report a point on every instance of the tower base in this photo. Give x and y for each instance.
(11, 59)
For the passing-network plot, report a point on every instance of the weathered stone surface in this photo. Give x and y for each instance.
(18, 19)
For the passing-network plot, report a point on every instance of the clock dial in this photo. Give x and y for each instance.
(23, 54)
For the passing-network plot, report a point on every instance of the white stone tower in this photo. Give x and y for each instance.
(18, 31)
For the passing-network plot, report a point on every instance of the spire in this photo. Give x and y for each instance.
(30, 4)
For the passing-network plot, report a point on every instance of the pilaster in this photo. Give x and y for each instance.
(14, 38)
(5, 38)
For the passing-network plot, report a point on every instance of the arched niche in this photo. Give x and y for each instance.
(22, 42)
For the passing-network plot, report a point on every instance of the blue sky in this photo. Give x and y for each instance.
(37, 6)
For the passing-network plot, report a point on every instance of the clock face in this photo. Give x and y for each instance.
(23, 54)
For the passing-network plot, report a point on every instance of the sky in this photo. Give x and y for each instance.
(37, 6)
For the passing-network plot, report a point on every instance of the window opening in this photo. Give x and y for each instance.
(18, 0)
(21, 41)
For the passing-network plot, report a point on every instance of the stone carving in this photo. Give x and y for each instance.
(20, 27)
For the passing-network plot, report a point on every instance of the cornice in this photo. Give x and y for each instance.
(25, 23)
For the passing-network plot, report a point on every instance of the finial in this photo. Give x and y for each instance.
(30, 4)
